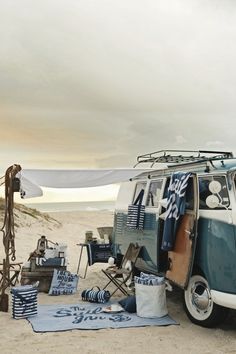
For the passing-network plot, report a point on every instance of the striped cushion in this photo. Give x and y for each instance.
(24, 301)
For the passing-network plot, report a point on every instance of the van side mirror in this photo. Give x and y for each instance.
(215, 187)
(212, 201)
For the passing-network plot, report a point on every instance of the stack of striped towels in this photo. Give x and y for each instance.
(149, 279)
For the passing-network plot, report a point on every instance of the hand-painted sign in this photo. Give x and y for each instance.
(63, 283)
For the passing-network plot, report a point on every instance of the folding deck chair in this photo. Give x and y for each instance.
(119, 276)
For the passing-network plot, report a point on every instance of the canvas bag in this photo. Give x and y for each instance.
(24, 301)
(151, 300)
(136, 212)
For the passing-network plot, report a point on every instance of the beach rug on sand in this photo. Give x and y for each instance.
(53, 318)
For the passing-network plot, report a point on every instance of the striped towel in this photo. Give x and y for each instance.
(149, 279)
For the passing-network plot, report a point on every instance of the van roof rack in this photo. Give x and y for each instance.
(182, 156)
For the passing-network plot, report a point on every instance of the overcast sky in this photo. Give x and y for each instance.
(95, 83)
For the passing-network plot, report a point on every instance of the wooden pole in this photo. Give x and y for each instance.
(8, 234)
(4, 298)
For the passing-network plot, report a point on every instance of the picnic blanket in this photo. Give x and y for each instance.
(57, 317)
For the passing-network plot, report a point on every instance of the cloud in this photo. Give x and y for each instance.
(180, 139)
(171, 57)
(215, 143)
(94, 84)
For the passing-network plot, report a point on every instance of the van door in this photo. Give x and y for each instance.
(180, 259)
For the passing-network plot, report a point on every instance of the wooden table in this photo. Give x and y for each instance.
(82, 246)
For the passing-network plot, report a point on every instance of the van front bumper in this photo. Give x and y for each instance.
(224, 299)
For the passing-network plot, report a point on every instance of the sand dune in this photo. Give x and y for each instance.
(70, 228)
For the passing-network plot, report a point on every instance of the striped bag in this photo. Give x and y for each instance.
(136, 212)
(24, 301)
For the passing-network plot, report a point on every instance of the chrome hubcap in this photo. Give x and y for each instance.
(201, 297)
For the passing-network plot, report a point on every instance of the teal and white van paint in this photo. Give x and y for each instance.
(203, 262)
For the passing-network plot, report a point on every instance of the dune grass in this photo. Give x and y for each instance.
(20, 209)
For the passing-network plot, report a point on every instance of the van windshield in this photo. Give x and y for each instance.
(139, 187)
(154, 193)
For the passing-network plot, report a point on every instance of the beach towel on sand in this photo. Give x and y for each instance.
(53, 318)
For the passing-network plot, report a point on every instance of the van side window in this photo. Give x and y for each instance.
(204, 191)
(154, 193)
(139, 187)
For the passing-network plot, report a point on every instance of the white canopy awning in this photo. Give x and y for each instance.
(32, 179)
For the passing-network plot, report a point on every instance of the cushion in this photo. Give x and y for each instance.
(129, 304)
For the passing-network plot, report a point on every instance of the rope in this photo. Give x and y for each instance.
(8, 225)
(2, 180)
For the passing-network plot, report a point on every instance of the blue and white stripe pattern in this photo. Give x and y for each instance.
(24, 301)
(149, 279)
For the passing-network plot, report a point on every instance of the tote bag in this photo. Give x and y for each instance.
(151, 300)
(136, 212)
(24, 301)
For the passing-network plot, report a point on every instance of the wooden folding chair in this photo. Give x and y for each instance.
(119, 276)
(15, 269)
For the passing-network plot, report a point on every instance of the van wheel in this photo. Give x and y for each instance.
(199, 306)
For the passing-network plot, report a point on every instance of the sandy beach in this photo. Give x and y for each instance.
(70, 227)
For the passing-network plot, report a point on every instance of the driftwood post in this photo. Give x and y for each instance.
(8, 233)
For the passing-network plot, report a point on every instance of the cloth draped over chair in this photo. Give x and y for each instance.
(98, 253)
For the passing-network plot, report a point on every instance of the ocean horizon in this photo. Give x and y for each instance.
(73, 206)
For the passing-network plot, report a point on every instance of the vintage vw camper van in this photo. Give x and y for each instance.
(202, 260)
